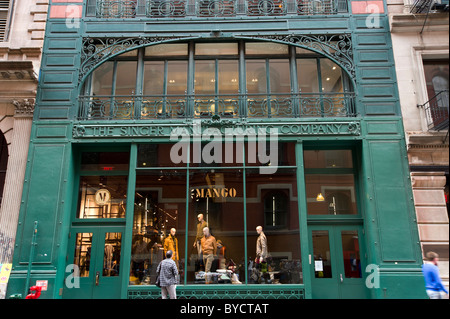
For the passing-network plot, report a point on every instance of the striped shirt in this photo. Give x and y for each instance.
(168, 272)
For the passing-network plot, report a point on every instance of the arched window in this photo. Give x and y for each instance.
(252, 79)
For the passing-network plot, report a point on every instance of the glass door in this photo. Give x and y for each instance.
(95, 257)
(337, 261)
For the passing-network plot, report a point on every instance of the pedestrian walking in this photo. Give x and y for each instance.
(168, 276)
(433, 283)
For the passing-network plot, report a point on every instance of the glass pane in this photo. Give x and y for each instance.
(350, 250)
(228, 105)
(176, 77)
(216, 254)
(331, 75)
(322, 257)
(328, 159)
(82, 258)
(129, 54)
(217, 154)
(304, 52)
(159, 155)
(154, 78)
(205, 88)
(205, 76)
(216, 49)
(163, 50)
(280, 81)
(158, 224)
(102, 197)
(126, 78)
(104, 161)
(102, 79)
(256, 76)
(111, 259)
(266, 48)
(273, 238)
(228, 77)
(281, 154)
(330, 194)
(307, 75)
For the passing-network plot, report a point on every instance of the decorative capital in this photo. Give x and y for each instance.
(24, 108)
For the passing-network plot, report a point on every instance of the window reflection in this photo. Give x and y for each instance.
(111, 259)
(322, 257)
(216, 49)
(216, 255)
(330, 182)
(211, 86)
(217, 252)
(307, 76)
(102, 79)
(280, 81)
(351, 254)
(154, 77)
(102, 197)
(331, 75)
(105, 161)
(125, 78)
(279, 246)
(83, 250)
(328, 159)
(256, 76)
(158, 223)
(338, 194)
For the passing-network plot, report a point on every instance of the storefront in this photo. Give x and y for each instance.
(292, 158)
(234, 200)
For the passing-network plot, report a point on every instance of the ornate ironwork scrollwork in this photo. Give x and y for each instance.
(338, 47)
(98, 50)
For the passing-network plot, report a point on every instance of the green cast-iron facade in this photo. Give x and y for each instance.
(362, 117)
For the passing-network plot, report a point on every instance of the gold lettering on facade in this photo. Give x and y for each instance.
(213, 192)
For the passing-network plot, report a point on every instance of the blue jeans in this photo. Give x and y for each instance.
(433, 294)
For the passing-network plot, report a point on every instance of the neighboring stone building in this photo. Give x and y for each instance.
(22, 28)
(420, 38)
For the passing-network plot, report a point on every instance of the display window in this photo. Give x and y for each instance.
(242, 227)
(158, 224)
(226, 224)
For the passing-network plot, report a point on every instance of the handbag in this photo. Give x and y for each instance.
(158, 282)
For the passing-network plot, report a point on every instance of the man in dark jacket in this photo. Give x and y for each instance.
(168, 276)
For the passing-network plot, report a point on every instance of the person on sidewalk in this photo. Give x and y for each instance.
(168, 276)
(433, 282)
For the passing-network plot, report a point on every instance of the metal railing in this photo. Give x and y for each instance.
(226, 106)
(212, 8)
(427, 6)
(436, 111)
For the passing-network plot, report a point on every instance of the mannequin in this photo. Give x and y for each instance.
(261, 246)
(171, 243)
(209, 249)
(200, 226)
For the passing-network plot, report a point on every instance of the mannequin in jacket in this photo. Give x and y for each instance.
(171, 243)
(261, 246)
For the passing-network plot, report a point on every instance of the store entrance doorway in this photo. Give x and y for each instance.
(94, 262)
(337, 260)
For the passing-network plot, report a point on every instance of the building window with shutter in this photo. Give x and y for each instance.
(5, 17)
